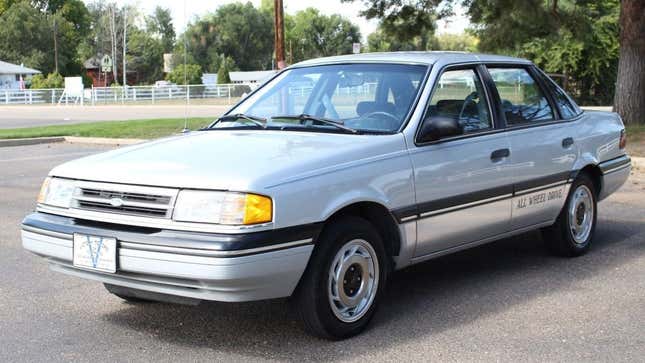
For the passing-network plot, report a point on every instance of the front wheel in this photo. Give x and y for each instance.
(346, 276)
(573, 231)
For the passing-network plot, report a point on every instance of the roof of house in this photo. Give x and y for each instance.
(250, 76)
(92, 63)
(10, 68)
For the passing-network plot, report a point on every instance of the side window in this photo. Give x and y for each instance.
(522, 98)
(568, 109)
(460, 94)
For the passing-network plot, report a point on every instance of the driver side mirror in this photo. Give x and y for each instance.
(438, 127)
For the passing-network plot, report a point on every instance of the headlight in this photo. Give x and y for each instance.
(56, 192)
(222, 207)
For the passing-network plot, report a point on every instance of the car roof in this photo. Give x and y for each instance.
(427, 58)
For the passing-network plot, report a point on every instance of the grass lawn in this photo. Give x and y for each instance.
(136, 129)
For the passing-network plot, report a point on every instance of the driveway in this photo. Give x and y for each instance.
(505, 301)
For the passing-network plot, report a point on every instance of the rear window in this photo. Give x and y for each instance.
(568, 108)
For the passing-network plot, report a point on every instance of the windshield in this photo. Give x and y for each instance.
(358, 97)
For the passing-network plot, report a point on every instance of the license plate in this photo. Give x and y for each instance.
(95, 252)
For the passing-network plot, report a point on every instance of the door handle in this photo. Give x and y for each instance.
(567, 142)
(500, 154)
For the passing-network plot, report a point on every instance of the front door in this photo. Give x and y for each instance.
(463, 183)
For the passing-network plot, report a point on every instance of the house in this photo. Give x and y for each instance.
(99, 78)
(12, 75)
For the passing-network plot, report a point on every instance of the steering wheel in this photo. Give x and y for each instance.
(469, 99)
(394, 121)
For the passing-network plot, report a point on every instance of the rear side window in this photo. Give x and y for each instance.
(567, 108)
(522, 99)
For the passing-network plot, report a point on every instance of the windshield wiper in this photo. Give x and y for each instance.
(305, 117)
(258, 121)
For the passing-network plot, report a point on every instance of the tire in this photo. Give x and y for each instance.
(572, 233)
(127, 294)
(348, 263)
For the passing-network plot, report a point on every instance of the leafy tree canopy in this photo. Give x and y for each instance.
(310, 34)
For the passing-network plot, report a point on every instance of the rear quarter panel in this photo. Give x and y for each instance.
(597, 137)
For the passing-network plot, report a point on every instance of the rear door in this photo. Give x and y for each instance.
(463, 183)
(543, 144)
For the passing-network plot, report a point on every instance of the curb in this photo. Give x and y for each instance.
(31, 141)
(69, 139)
(101, 141)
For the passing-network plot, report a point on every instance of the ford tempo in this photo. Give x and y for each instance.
(330, 176)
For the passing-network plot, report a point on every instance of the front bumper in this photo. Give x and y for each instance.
(204, 266)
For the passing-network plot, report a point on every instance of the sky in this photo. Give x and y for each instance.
(194, 8)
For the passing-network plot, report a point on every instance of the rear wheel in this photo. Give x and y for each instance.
(346, 276)
(573, 231)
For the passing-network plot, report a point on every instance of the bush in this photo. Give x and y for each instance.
(53, 80)
(193, 74)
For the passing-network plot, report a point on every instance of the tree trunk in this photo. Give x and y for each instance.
(630, 85)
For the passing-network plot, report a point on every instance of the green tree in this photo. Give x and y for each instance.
(160, 23)
(630, 85)
(402, 22)
(382, 41)
(459, 42)
(310, 34)
(576, 38)
(144, 55)
(237, 30)
(190, 73)
(26, 37)
(222, 75)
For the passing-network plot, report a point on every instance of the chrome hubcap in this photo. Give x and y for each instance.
(581, 213)
(353, 280)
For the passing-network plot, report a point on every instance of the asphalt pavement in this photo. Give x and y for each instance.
(505, 301)
(45, 115)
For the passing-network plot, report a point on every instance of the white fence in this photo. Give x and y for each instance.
(130, 94)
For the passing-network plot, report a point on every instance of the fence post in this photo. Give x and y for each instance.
(153, 95)
(188, 94)
(229, 94)
(170, 93)
(134, 94)
(92, 95)
(53, 95)
(6, 97)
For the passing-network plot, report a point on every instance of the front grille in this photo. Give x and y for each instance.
(122, 199)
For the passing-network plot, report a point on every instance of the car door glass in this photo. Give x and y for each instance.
(522, 99)
(459, 94)
(566, 106)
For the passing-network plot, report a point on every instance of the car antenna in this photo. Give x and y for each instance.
(185, 130)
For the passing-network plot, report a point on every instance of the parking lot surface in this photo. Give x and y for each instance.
(505, 301)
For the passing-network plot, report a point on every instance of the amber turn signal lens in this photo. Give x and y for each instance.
(43, 190)
(257, 209)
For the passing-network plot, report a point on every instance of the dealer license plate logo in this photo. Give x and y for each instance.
(95, 252)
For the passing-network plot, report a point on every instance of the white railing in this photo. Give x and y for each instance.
(228, 93)
(225, 93)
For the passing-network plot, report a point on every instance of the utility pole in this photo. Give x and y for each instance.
(125, 35)
(115, 75)
(279, 33)
(55, 45)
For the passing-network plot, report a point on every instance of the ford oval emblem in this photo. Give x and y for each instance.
(116, 202)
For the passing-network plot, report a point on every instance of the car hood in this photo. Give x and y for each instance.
(246, 160)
